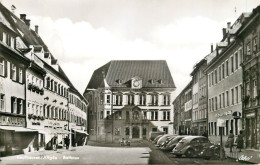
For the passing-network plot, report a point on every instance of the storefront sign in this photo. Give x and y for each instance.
(250, 115)
(223, 114)
(10, 120)
(221, 123)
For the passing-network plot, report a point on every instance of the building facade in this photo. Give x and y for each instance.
(130, 99)
(199, 106)
(34, 92)
(250, 37)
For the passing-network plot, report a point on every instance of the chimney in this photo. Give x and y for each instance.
(228, 26)
(224, 30)
(217, 49)
(211, 48)
(23, 17)
(13, 8)
(27, 22)
(36, 29)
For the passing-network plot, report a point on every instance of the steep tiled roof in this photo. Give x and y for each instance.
(147, 70)
(30, 37)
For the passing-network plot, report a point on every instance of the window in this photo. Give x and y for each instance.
(20, 75)
(232, 64)
(248, 49)
(232, 96)
(108, 99)
(209, 80)
(220, 100)
(227, 72)
(20, 106)
(255, 44)
(154, 115)
(236, 61)
(241, 55)
(216, 77)
(227, 127)
(166, 115)
(2, 102)
(55, 87)
(212, 104)
(154, 129)
(209, 104)
(48, 83)
(212, 78)
(236, 93)
(223, 71)
(227, 97)
(101, 98)
(142, 99)
(165, 130)
(223, 99)
(13, 105)
(118, 99)
(130, 99)
(2, 66)
(166, 99)
(145, 115)
(255, 88)
(219, 73)
(216, 103)
(13, 72)
(247, 89)
(154, 99)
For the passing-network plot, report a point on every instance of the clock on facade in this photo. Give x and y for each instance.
(136, 83)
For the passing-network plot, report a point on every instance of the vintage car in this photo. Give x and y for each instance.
(191, 146)
(157, 138)
(163, 139)
(212, 152)
(172, 143)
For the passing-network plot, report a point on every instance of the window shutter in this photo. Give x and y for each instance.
(24, 107)
(5, 68)
(1, 35)
(12, 105)
(17, 73)
(11, 74)
(23, 75)
(18, 107)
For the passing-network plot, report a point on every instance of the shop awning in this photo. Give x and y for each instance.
(55, 131)
(80, 131)
(17, 129)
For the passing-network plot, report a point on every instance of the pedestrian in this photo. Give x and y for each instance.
(240, 141)
(54, 146)
(230, 140)
(67, 142)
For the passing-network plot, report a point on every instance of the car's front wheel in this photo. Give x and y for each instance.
(190, 153)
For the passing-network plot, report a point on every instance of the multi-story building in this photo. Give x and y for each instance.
(38, 90)
(199, 96)
(249, 35)
(130, 99)
(183, 111)
(224, 75)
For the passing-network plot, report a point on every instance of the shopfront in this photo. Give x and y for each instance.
(14, 138)
(252, 124)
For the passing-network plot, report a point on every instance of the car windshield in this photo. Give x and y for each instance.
(183, 141)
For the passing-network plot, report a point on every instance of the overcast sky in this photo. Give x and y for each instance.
(85, 34)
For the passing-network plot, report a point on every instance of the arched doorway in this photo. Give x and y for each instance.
(135, 132)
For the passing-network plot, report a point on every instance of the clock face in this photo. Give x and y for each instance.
(136, 83)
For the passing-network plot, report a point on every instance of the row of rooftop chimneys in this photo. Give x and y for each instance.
(28, 21)
(225, 31)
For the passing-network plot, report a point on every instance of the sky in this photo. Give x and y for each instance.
(86, 34)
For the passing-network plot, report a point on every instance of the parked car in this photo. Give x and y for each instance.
(163, 139)
(157, 138)
(165, 143)
(172, 143)
(191, 146)
(212, 152)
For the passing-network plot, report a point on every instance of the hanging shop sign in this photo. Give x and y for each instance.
(10, 120)
(250, 115)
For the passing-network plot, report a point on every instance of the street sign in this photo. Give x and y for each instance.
(221, 123)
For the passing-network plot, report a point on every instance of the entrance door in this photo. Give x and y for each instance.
(135, 132)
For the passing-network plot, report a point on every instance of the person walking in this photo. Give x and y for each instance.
(240, 141)
(230, 140)
(67, 142)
